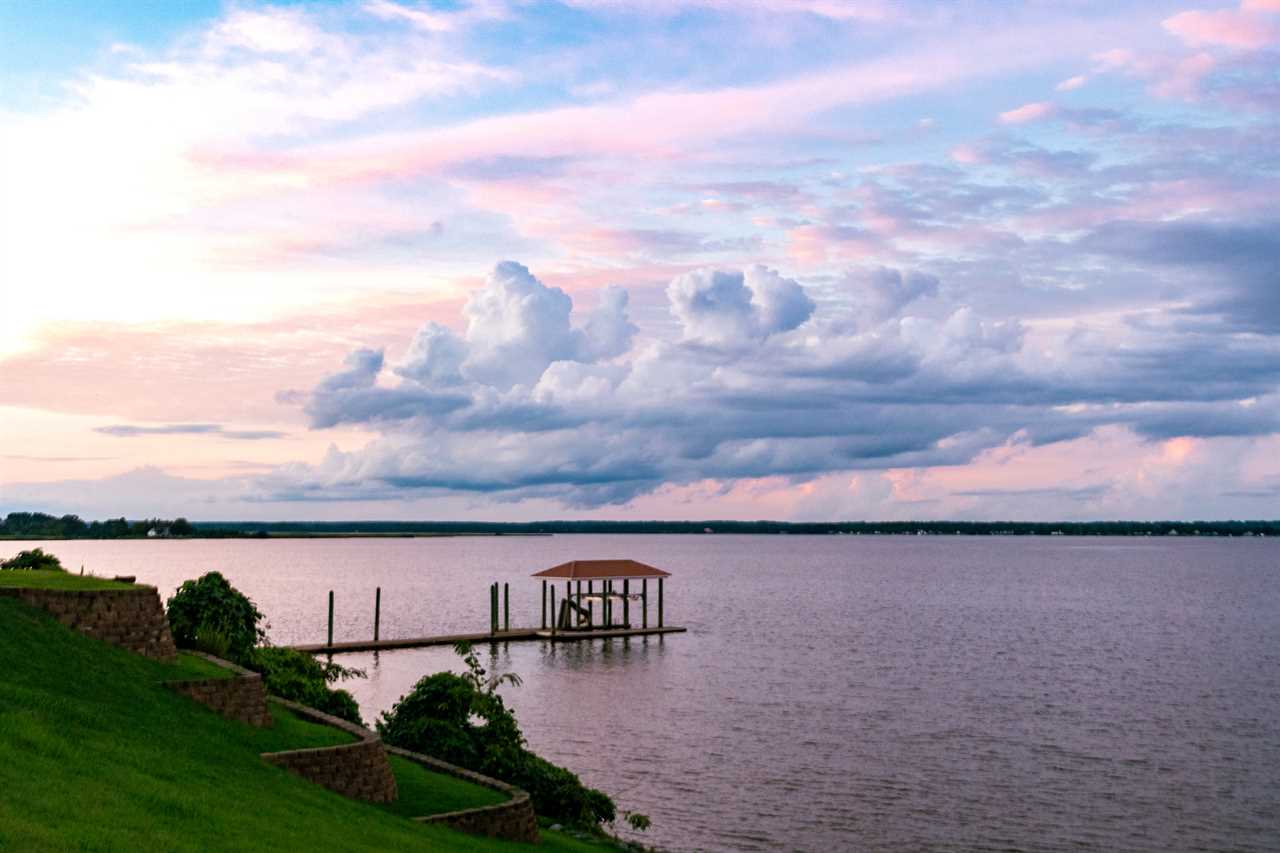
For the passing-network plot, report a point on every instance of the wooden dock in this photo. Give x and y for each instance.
(510, 636)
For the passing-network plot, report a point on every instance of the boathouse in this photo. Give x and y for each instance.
(609, 585)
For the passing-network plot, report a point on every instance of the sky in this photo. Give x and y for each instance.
(679, 259)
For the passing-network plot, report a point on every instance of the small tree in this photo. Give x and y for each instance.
(463, 720)
(210, 614)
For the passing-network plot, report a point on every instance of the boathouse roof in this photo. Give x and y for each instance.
(583, 570)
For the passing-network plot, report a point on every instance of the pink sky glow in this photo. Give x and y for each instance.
(685, 259)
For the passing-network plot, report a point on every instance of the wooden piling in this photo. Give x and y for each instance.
(544, 604)
(659, 602)
(331, 617)
(377, 611)
(506, 607)
(553, 608)
(644, 601)
(591, 616)
(626, 602)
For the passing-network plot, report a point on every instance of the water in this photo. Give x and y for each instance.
(869, 693)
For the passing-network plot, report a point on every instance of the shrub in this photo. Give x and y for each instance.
(210, 614)
(294, 675)
(35, 559)
(462, 719)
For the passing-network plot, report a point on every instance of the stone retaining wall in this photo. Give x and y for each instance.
(513, 820)
(241, 697)
(358, 770)
(133, 619)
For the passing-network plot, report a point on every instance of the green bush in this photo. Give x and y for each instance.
(210, 614)
(462, 719)
(291, 674)
(33, 560)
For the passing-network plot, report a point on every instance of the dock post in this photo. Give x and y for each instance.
(330, 618)
(644, 601)
(626, 603)
(659, 602)
(544, 604)
(553, 609)
(377, 611)
(506, 607)
(493, 608)
(591, 605)
(608, 605)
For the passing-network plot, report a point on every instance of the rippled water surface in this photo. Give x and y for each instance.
(873, 693)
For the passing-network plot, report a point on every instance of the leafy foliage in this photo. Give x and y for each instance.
(291, 674)
(210, 614)
(33, 560)
(462, 719)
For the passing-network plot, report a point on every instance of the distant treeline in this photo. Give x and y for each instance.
(36, 525)
(970, 528)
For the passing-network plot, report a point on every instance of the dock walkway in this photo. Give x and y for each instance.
(511, 636)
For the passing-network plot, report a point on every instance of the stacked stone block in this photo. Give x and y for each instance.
(133, 619)
(357, 770)
(241, 698)
(513, 820)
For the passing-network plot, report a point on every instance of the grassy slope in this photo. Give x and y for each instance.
(96, 755)
(56, 580)
(424, 793)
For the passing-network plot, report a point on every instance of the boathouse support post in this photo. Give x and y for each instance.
(608, 604)
(644, 601)
(553, 608)
(591, 605)
(659, 602)
(330, 617)
(626, 603)
(506, 607)
(544, 604)
(377, 611)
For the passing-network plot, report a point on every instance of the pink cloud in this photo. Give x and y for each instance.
(1230, 27)
(967, 154)
(1169, 76)
(1072, 83)
(1027, 113)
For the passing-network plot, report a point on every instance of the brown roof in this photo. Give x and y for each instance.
(582, 570)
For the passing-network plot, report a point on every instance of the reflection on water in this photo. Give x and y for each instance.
(878, 693)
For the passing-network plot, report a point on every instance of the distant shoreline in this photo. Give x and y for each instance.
(62, 529)
(29, 526)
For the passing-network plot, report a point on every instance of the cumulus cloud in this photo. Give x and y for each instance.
(726, 307)
(890, 291)
(757, 383)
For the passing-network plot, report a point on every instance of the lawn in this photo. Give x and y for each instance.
(425, 792)
(45, 579)
(191, 667)
(98, 755)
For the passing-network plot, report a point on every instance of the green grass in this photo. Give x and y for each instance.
(96, 755)
(46, 579)
(193, 667)
(425, 792)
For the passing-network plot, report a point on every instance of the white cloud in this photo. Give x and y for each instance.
(727, 308)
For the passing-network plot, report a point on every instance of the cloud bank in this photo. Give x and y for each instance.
(533, 401)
